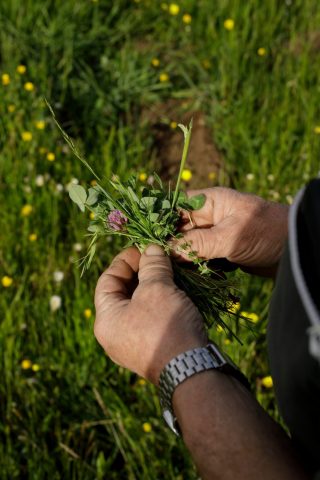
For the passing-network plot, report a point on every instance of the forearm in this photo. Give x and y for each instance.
(228, 434)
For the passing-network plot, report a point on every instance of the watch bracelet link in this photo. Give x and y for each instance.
(187, 364)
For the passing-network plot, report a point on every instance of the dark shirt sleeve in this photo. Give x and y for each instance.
(294, 366)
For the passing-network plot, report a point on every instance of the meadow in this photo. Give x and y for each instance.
(120, 75)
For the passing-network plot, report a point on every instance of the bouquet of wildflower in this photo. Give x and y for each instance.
(145, 214)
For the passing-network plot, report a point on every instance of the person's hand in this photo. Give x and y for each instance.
(143, 321)
(242, 228)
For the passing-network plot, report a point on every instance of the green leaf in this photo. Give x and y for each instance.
(78, 195)
(148, 203)
(197, 201)
(166, 204)
(93, 195)
(154, 217)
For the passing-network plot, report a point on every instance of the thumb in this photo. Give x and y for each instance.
(205, 242)
(155, 265)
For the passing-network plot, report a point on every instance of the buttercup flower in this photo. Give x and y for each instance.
(116, 220)
(267, 381)
(317, 129)
(143, 176)
(163, 77)
(51, 157)
(141, 382)
(26, 364)
(35, 367)
(33, 237)
(87, 313)
(174, 9)
(28, 86)
(235, 307)
(251, 316)
(187, 19)
(26, 136)
(173, 125)
(155, 62)
(261, 52)
(92, 215)
(21, 69)
(147, 427)
(5, 77)
(40, 124)
(26, 210)
(55, 303)
(186, 175)
(6, 281)
(228, 24)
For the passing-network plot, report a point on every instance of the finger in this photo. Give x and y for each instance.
(113, 285)
(205, 243)
(155, 265)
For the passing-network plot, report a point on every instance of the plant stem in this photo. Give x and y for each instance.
(187, 136)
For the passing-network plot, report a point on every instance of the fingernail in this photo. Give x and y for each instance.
(153, 250)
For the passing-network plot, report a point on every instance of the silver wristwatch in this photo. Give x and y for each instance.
(184, 366)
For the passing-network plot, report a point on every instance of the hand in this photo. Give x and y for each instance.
(143, 328)
(243, 228)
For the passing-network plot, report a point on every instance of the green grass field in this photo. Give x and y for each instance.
(66, 412)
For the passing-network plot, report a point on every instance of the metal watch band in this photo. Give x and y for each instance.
(184, 366)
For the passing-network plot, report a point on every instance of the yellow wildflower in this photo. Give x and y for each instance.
(251, 316)
(212, 176)
(29, 86)
(51, 157)
(163, 77)
(173, 125)
(21, 69)
(267, 381)
(228, 24)
(261, 52)
(11, 108)
(174, 9)
(142, 382)
(26, 210)
(147, 427)
(35, 367)
(87, 313)
(93, 183)
(26, 364)
(5, 79)
(187, 19)
(206, 64)
(40, 124)
(33, 237)
(26, 136)
(317, 129)
(155, 62)
(219, 328)
(235, 308)
(143, 176)
(186, 175)
(227, 341)
(6, 281)
(92, 215)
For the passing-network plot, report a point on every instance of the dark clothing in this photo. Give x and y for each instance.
(294, 366)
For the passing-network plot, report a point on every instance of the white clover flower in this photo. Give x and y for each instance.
(59, 187)
(77, 247)
(270, 177)
(74, 181)
(250, 177)
(39, 180)
(55, 303)
(27, 188)
(58, 276)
